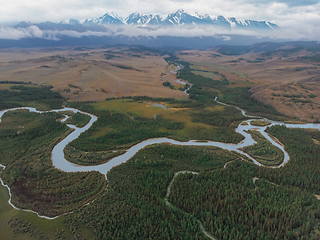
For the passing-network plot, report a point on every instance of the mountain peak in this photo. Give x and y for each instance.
(109, 18)
(181, 11)
(180, 17)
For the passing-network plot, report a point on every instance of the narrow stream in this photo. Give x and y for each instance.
(179, 67)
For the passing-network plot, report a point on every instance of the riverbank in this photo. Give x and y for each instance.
(59, 161)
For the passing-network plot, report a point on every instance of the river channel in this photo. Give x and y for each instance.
(59, 161)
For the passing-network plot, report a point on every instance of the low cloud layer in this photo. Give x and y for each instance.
(35, 32)
(19, 33)
(299, 32)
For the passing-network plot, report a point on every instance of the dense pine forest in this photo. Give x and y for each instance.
(19, 95)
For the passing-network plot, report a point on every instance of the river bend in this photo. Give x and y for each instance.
(59, 161)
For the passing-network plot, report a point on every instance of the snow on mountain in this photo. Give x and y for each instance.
(155, 20)
(222, 22)
(236, 23)
(110, 18)
(71, 22)
(90, 22)
(179, 18)
(142, 19)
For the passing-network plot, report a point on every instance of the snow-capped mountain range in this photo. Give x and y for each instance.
(176, 29)
(178, 18)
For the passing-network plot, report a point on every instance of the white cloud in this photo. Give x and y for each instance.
(18, 33)
(299, 32)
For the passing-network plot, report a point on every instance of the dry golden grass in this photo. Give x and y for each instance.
(17, 55)
(269, 80)
(91, 75)
(282, 97)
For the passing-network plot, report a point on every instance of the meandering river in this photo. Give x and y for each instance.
(59, 161)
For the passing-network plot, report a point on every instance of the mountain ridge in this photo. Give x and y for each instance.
(179, 18)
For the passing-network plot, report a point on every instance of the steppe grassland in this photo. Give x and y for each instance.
(146, 110)
(272, 69)
(206, 63)
(17, 55)
(90, 75)
(278, 79)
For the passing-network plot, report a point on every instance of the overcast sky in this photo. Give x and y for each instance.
(282, 12)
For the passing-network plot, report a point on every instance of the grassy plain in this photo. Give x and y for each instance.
(147, 110)
(135, 114)
(91, 75)
(287, 80)
(97, 74)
